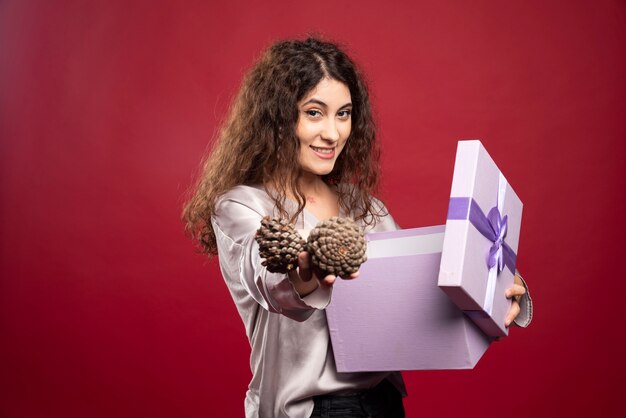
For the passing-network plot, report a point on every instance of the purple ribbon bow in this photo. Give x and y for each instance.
(493, 227)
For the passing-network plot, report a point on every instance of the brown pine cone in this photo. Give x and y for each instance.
(279, 244)
(337, 246)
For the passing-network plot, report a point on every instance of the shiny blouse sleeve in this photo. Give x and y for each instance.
(526, 307)
(235, 224)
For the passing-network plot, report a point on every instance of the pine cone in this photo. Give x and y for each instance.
(337, 246)
(279, 244)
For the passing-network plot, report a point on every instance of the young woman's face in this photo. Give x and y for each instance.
(324, 125)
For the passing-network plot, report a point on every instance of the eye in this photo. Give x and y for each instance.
(344, 114)
(314, 113)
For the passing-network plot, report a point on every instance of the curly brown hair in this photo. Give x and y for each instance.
(257, 143)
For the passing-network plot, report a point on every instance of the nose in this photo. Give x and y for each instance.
(331, 130)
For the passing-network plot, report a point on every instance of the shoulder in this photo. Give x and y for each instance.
(254, 198)
(383, 219)
(239, 211)
(242, 192)
(350, 190)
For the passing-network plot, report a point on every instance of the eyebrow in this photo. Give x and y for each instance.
(321, 103)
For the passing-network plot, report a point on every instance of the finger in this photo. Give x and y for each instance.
(513, 312)
(329, 280)
(351, 276)
(304, 264)
(516, 290)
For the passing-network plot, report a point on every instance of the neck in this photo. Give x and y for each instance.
(312, 184)
(321, 199)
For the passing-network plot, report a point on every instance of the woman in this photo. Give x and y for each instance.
(299, 143)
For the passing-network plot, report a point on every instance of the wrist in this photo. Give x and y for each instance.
(303, 288)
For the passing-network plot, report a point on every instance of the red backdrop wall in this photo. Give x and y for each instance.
(106, 109)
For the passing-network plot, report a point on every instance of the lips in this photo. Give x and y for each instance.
(324, 152)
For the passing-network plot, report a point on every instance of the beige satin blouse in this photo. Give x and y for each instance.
(291, 355)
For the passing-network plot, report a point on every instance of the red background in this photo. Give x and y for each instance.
(107, 107)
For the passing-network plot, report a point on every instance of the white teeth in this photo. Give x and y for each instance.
(323, 150)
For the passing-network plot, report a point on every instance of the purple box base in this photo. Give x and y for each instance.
(394, 317)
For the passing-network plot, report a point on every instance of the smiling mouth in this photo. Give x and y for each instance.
(323, 150)
(325, 153)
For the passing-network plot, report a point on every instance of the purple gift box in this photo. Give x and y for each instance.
(395, 315)
(482, 235)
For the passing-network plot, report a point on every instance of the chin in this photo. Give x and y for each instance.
(318, 171)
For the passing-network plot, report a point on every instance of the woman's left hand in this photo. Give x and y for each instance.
(515, 293)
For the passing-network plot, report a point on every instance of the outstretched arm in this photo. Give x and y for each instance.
(235, 225)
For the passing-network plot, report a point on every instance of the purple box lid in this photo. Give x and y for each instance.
(481, 241)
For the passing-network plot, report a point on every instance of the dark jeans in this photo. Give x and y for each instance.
(383, 401)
